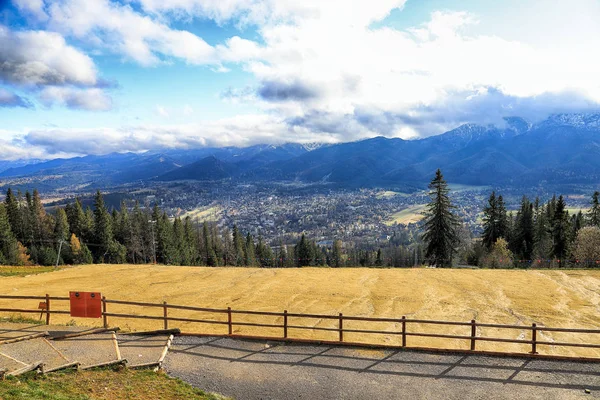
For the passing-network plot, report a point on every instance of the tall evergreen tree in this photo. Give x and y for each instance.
(250, 260)
(304, 252)
(542, 242)
(441, 224)
(594, 213)
(14, 215)
(524, 231)
(103, 229)
(9, 251)
(494, 221)
(238, 244)
(560, 230)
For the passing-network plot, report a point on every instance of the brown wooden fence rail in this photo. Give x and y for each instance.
(404, 332)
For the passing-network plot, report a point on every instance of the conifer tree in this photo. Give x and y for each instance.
(336, 253)
(250, 260)
(560, 230)
(9, 250)
(238, 243)
(524, 231)
(594, 213)
(441, 224)
(542, 242)
(14, 215)
(304, 252)
(103, 230)
(493, 221)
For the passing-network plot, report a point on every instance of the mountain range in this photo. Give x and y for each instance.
(564, 148)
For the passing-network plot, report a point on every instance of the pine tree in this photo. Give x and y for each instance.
(238, 244)
(493, 221)
(103, 229)
(560, 230)
(542, 242)
(14, 215)
(304, 253)
(379, 259)
(441, 224)
(336, 254)
(524, 231)
(9, 249)
(61, 232)
(250, 260)
(594, 213)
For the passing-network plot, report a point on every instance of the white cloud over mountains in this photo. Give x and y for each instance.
(322, 71)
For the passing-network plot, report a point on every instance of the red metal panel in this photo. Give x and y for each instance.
(86, 304)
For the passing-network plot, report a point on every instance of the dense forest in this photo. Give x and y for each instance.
(535, 235)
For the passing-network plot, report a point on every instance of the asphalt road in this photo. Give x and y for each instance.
(245, 369)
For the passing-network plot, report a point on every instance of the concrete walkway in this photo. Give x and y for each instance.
(246, 369)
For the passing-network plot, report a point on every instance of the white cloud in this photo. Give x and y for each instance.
(42, 58)
(34, 8)
(323, 72)
(10, 99)
(187, 110)
(84, 99)
(162, 111)
(237, 131)
(125, 31)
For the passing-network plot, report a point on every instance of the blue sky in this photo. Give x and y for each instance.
(80, 77)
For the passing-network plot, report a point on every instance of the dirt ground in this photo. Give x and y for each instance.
(569, 298)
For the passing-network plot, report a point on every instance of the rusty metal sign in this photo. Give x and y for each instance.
(86, 304)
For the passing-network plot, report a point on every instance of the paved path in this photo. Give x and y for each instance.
(246, 369)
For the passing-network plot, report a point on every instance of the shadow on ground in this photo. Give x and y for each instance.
(286, 364)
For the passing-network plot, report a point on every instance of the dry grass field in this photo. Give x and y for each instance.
(569, 298)
(409, 215)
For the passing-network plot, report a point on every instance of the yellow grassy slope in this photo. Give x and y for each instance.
(550, 298)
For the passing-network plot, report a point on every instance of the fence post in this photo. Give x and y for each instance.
(285, 323)
(230, 326)
(403, 331)
(533, 338)
(104, 317)
(341, 327)
(473, 334)
(165, 320)
(47, 309)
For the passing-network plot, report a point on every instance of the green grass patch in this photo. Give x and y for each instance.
(100, 384)
(24, 271)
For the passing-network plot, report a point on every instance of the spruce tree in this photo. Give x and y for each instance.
(336, 254)
(524, 231)
(560, 230)
(238, 244)
(542, 242)
(103, 229)
(304, 252)
(441, 224)
(494, 221)
(14, 215)
(250, 260)
(594, 213)
(9, 250)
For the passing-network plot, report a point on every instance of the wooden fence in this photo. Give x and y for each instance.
(228, 321)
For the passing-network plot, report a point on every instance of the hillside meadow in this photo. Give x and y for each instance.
(569, 298)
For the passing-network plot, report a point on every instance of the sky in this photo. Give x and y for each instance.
(82, 77)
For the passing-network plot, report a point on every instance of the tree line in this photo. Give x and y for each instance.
(537, 233)
(76, 235)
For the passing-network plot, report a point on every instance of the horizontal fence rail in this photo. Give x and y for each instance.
(472, 328)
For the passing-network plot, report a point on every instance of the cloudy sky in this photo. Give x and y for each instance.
(97, 76)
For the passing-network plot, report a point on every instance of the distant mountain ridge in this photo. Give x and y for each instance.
(564, 148)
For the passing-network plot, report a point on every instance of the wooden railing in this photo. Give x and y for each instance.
(228, 320)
